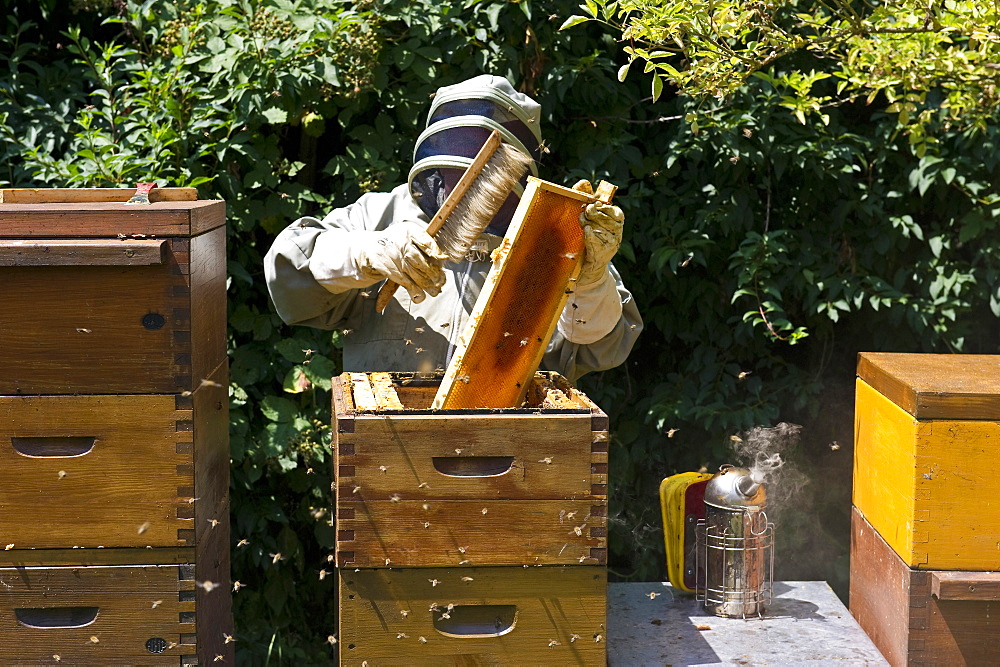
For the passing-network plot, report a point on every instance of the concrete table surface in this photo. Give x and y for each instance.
(649, 623)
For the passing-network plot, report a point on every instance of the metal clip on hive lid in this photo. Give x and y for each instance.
(141, 195)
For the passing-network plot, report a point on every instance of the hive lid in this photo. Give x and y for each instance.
(103, 212)
(936, 386)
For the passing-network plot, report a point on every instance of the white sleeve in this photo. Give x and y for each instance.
(592, 312)
(332, 262)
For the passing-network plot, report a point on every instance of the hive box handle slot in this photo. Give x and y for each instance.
(53, 447)
(476, 621)
(52, 618)
(473, 466)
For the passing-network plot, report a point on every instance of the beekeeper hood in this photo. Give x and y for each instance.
(461, 118)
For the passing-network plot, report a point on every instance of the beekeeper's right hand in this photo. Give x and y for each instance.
(405, 254)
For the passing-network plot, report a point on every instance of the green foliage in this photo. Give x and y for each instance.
(748, 229)
(901, 49)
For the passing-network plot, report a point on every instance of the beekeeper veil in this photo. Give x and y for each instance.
(461, 118)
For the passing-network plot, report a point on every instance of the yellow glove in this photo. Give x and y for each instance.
(602, 236)
(406, 254)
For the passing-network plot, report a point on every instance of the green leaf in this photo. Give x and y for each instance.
(320, 371)
(657, 86)
(296, 381)
(278, 409)
(936, 244)
(623, 71)
(574, 20)
(276, 116)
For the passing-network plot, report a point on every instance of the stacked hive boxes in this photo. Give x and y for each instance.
(469, 534)
(925, 552)
(114, 457)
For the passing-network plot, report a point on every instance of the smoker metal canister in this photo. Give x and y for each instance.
(735, 557)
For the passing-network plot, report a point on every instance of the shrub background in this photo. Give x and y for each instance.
(764, 252)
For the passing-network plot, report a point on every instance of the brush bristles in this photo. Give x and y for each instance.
(482, 201)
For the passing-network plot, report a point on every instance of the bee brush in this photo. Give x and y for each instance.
(471, 205)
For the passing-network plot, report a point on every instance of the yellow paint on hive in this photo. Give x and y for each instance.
(930, 488)
(883, 467)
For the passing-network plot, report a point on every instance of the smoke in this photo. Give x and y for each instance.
(765, 452)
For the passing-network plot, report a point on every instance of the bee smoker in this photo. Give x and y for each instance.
(735, 558)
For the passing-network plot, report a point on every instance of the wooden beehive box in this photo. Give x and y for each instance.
(114, 455)
(481, 616)
(418, 487)
(98, 615)
(927, 457)
(922, 617)
(105, 297)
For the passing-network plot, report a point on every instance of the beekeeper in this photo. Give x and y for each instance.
(326, 273)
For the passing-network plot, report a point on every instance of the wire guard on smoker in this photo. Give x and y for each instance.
(734, 547)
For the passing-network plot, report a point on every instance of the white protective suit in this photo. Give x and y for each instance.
(314, 277)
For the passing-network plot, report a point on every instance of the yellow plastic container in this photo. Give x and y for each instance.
(678, 532)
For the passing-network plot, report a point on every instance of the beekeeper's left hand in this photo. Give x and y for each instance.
(602, 236)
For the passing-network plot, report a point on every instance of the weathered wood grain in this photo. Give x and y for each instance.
(110, 219)
(363, 392)
(936, 386)
(482, 616)
(210, 437)
(82, 252)
(133, 605)
(115, 329)
(385, 393)
(206, 302)
(94, 556)
(896, 607)
(113, 343)
(442, 456)
(120, 491)
(91, 195)
(958, 585)
(441, 533)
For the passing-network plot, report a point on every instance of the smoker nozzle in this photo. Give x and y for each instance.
(747, 486)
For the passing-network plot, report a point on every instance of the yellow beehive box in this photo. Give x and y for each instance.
(927, 457)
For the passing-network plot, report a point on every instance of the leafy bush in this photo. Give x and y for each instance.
(764, 252)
